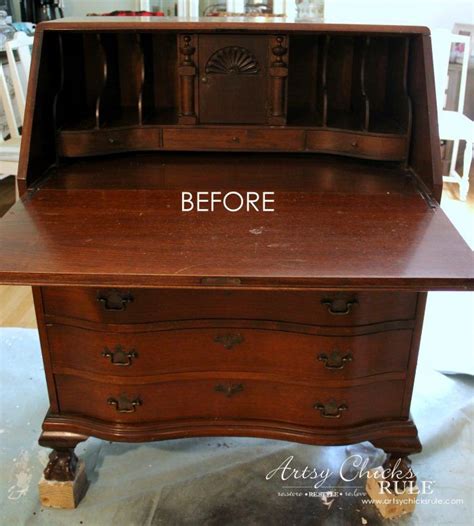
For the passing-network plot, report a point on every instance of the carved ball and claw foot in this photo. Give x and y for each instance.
(64, 480)
(62, 465)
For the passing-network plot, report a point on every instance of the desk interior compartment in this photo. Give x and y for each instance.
(113, 80)
(385, 79)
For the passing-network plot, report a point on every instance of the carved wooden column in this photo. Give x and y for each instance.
(187, 73)
(278, 80)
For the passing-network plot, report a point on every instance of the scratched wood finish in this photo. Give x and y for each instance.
(303, 324)
(104, 238)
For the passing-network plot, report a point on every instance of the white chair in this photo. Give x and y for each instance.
(19, 71)
(453, 125)
(9, 147)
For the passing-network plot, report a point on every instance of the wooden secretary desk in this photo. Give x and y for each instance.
(300, 324)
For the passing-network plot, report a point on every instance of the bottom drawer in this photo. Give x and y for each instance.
(230, 398)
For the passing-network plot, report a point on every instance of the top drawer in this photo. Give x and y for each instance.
(153, 305)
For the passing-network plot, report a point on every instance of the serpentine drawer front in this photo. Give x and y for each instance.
(236, 348)
(229, 398)
(305, 307)
(299, 324)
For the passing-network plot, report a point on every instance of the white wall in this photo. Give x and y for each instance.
(431, 13)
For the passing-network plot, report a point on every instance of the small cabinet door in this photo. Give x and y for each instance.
(233, 81)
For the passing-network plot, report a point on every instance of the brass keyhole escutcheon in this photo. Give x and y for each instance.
(229, 389)
(229, 340)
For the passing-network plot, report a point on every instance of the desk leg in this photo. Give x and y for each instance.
(392, 486)
(64, 480)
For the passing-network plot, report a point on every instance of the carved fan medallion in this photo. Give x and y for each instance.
(232, 60)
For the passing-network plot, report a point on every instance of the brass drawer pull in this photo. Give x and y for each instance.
(339, 306)
(114, 300)
(124, 405)
(229, 389)
(331, 409)
(335, 360)
(119, 356)
(229, 340)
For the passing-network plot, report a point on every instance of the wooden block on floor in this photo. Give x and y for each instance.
(66, 495)
(390, 504)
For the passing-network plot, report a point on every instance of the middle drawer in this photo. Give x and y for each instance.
(228, 349)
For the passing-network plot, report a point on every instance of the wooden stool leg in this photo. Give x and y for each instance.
(64, 480)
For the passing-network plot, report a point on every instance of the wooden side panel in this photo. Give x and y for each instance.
(413, 358)
(424, 159)
(38, 301)
(38, 151)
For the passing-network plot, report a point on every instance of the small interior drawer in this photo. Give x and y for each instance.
(233, 139)
(108, 140)
(389, 148)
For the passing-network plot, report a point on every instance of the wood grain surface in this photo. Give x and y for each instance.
(140, 237)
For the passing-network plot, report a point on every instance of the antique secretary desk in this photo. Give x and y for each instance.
(302, 324)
